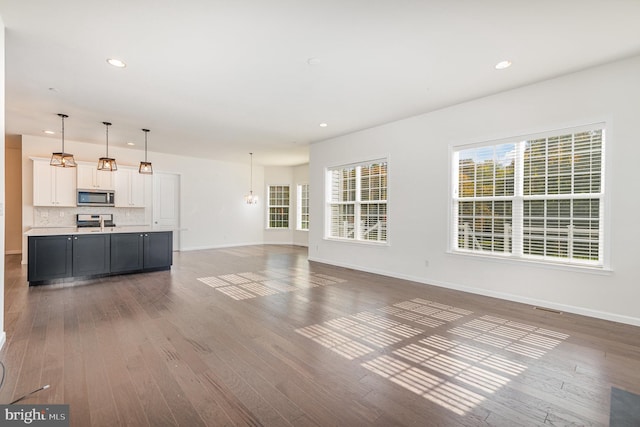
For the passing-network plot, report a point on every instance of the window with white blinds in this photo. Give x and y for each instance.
(302, 217)
(278, 209)
(357, 201)
(536, 197)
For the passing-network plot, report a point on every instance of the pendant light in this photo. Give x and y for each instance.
(250, 199)
(107, 163)
(145, 167)
(62, 159)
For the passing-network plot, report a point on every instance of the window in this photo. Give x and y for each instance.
(357, 201)
(278, 206)
(537, 197)
(302, 222)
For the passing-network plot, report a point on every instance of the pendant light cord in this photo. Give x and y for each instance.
(146, 131)
(251, 176)
(62, 134)
(62, 116)
(107, 124)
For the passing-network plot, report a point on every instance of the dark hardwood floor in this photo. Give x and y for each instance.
(257, 335)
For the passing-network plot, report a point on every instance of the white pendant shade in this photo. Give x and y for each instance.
(250, 198)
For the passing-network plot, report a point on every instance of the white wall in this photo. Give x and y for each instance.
(213, 212)
(418, 150)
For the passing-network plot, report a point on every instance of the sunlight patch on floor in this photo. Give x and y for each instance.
(373, 330)
(455, 373)
(520, 338)
(450, 396)
(335, 341)
(247, 285)
(425, 312)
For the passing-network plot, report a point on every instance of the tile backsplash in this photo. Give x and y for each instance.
(66, 217)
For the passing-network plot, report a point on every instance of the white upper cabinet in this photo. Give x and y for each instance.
(129, 188)
(53, 186)
(89, 177)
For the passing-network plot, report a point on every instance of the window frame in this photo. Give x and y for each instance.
(603, 263)
(382, 204)
(269, 206)
(302, 217)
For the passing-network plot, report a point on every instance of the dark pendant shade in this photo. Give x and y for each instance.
(145, 167)
(62, 159)
(107, 163)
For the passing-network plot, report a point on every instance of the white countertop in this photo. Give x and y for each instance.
(56, 231)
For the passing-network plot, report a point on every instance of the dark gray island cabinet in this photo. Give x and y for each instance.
(141, 251)
(90, 255)
(53, 257)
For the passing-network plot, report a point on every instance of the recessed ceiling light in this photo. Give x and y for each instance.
(131, 143)
(116, 62)
(503, 64)
(323, 125)
(49, 132)
(313, 61)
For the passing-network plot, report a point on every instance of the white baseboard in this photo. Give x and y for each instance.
(285, 244)
(614, 317)
(233, 245)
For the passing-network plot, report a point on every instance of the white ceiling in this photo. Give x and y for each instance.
(222, 78)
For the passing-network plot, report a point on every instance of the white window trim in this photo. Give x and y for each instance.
(549, 262)
(268, 206)
(327, 203)
(299, 206)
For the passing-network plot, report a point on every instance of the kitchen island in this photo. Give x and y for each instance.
(64, 254)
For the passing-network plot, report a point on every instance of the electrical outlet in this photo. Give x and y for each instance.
(61, 214)
(426, 263)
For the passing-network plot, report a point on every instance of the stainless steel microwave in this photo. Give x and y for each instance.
(96, 198)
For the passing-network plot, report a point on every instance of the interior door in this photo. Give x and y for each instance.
(166, 203)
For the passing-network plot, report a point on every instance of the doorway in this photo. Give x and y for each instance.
(166, 204)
